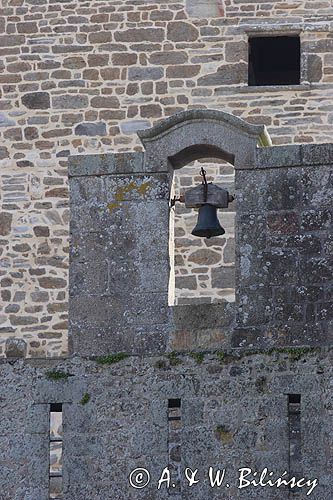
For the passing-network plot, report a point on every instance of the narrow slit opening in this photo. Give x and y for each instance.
(55, 451)
(174, 444)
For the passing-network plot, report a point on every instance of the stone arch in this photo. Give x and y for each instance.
(200, 133)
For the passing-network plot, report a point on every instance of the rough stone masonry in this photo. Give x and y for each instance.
(83, 77)
(250, 375)
(235, 372)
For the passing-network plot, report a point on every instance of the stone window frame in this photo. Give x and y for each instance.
(270, 31)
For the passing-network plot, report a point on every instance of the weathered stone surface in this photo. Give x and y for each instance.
(105, 102)
(91, 129)
(194, 134)
(11, 40)
(314, 69)
(98, 59)
(205, 8)
(211, 393)
(140, 35)
(182, 71)
(5, 223)
(223, 277)
(36, 100)
(188, 282)
(21, 247)
(51, 282)
(5, 121)
(123, 59)
(226, 75)
(75, 62)
(70, 101)
(283, 223)
(181, 32)
(151, 111)
(13, 134)
(236, 51)
(31, 133)
(43, 231)
(205, 257)
(148, 73)
(168, 57)
(27, 27)
(133, 126)
(16, 348)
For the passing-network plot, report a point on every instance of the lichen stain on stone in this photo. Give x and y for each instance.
(122, 191)
(245, 262)
(112, 206)
(223, 434)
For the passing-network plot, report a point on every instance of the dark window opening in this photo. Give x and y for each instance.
(294, 399)
(274, 60)
(174, 403)
(56, 407)
(295, 437)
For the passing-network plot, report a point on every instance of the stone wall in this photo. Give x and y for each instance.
(234, 413)
(83, 77)
(119, 301)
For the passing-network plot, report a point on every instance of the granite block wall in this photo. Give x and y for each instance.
(119, 301)
(82, 78)
(234, 413)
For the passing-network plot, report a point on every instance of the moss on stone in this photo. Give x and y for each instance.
(223, 434)
(160, 364)
(57, 375)
(295, 353)
(85, 399)
(110, 359)
(198, 357)
(173, 359)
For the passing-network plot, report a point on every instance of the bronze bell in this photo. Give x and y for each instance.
(208, 224)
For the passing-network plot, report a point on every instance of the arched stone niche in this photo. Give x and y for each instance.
(202, 133)
(174, 143)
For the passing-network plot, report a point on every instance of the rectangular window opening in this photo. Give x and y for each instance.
(295, 438)
(174, 403)
(55, 451)
(294, 399)
(274, 60)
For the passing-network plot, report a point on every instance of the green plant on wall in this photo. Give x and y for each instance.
(85, 399)
(110, 359)
(173, 359)
(224, 434)
(198, 357)
(57, 375)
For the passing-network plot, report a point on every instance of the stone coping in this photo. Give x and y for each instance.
(257, 131)
(298, 155)
(106, 164)
(270, 157)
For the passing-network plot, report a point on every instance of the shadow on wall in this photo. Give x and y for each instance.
(204, 268)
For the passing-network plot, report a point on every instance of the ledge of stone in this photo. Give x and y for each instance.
(294, 156)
